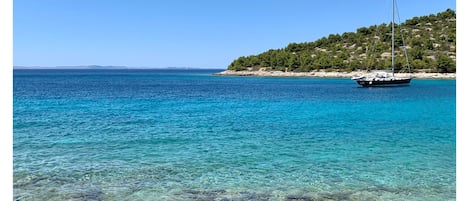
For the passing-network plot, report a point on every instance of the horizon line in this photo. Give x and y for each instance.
(110, 67)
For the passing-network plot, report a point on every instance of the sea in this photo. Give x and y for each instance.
(172, 134)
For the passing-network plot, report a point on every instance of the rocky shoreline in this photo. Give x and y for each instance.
(322, 74)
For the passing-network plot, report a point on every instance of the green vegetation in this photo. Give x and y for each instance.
(430, 42)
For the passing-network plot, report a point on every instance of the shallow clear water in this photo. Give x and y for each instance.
(188, 135)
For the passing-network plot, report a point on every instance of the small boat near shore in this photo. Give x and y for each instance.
(385, 78)
(382, 78)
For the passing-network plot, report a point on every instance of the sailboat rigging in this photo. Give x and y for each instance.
(385, 78)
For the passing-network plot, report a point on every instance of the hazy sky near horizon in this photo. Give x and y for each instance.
(181, 33)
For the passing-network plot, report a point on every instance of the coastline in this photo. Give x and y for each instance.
(321, 74)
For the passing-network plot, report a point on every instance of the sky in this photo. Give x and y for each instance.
(183, 33)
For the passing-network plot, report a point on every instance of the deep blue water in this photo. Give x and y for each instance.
(189, 135)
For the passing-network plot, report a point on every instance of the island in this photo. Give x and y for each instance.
(428, 52)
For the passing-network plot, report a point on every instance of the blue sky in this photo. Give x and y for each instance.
(183, 33)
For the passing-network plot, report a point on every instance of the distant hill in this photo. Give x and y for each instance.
(99, 67)
(70, 67)
(430, 42)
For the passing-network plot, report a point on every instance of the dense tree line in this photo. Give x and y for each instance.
(430, 42)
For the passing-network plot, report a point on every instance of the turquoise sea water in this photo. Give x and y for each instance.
(188, 135)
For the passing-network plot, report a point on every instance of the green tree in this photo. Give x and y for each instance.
(445, 64)
(418, 64)
(416, 53)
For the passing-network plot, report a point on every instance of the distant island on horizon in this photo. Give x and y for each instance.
(104, 67)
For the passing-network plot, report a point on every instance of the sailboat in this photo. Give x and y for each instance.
(384, 78)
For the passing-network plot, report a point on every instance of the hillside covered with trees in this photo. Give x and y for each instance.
(430, 42)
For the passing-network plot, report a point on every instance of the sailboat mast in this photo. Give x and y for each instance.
(392, 49)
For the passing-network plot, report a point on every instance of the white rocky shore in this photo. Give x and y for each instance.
(332, 74)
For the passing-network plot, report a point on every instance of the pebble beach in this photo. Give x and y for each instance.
(321, 74)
